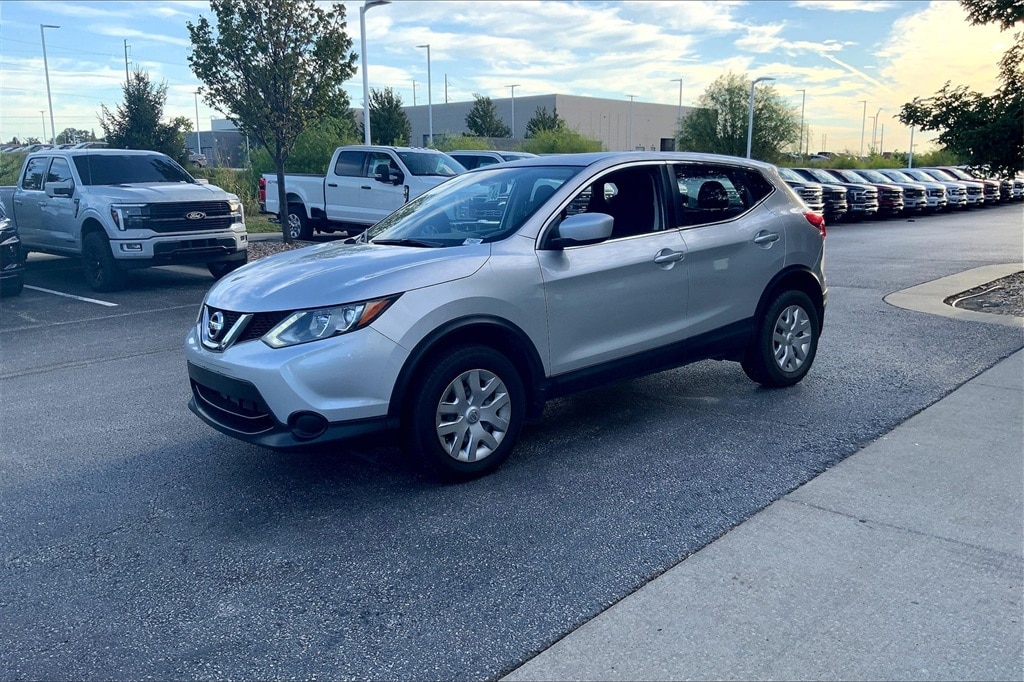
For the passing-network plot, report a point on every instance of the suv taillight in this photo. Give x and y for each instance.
(817, 220)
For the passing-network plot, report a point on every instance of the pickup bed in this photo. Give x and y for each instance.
(122, 209)
(362, 185)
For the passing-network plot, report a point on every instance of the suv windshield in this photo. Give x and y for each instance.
(128, 169)
(482, 206)
(431, 163)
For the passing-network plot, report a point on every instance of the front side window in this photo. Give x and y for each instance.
(34, 171)
(485, 206)
(630, 196)
(378, 162)
(710, 193)
(59, 171)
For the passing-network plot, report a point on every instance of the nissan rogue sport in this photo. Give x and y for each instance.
(453, 320)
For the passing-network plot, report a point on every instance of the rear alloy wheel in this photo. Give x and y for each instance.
(785, 341)
(298, 224)
(466, 417)
(102, 271)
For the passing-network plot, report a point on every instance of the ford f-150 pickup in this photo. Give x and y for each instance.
(362, 185)
(123, 209)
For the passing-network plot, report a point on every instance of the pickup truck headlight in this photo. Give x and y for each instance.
(128, 216)
(304, 326)
(236, 207)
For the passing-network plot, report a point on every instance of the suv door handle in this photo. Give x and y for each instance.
(669, 256)
(766, 237)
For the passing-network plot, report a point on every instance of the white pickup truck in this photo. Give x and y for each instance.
(122, 209)
(363, 184)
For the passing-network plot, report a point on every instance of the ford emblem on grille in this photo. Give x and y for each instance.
(195, 215)
(215, 326)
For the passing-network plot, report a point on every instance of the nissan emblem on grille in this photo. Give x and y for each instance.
(195, 215)
(216, 325)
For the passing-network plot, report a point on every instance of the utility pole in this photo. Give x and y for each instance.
(513, 108)
(126, 46)
(446, 88)
(803, 101)
(631, 98)
(863, 122)
(414, 92)
(679, 116)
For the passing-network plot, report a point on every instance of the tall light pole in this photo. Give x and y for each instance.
(369, 4)
(514, 86)
(430, 101)
(680, 115)
(803, 101)
(631, 98)
(874, 126)
(750, 118)
(199, 139)
(46, 69)
(863, 121)
(910, 161)
(42, 116)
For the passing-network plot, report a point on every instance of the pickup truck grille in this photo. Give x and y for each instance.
(171, 217)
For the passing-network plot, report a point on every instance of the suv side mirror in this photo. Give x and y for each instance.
(65, 188)
(582, 228)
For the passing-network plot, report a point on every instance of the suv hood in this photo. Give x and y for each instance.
(331, 274)
(158, 192)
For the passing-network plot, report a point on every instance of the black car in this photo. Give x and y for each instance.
(12, 258)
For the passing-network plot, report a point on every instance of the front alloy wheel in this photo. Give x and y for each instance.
(465, 417)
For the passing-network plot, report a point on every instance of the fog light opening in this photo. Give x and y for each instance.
(307, 425)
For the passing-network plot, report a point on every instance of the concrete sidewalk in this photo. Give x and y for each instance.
(904, 561)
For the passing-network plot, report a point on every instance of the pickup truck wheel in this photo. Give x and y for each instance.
(464, 420)
(12, 287)
(785, 341)
(102, 272)
(298, 224)
(222, 267)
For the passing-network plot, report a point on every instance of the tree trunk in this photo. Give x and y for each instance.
(282, 195)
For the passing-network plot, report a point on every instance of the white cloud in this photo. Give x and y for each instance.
(845, 5)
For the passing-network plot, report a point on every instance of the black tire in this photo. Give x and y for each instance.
(785, 341)
(465, 418)
(222, 267)
(12, 287)
(297, 223)
(101, 269)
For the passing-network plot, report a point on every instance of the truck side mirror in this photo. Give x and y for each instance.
(65, 188)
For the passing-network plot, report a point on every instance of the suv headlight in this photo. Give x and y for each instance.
(304, 326)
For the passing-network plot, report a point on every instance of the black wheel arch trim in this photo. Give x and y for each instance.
(809, 283)
(511, 340)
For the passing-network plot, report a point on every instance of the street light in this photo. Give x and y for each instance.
(199, 139)
(516, 85)
(803, 101)
(750, 119)
(680, 116)
(863, 121)
(369, 4)
(430, 101)
(631, 98)
(910, 161)
(874, 126)
(46, 69)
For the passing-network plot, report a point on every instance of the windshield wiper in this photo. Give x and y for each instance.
(409, 242)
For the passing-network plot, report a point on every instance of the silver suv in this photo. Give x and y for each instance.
(455, 318)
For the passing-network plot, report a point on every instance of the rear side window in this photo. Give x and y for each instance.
(350, 164)
(709, 193)
(34, 171)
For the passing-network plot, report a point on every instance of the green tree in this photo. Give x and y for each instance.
(983, 129)
(313, 148)
(719, 125)
(74, 135)
(388, 121)
(482, 120)
(560, 141)
(137, 122)
(273, 68)
(543, 121)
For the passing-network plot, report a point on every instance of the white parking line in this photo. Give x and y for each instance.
(77, 298)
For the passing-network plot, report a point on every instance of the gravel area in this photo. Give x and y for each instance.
(1004, 296)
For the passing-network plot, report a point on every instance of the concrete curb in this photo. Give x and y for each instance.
(929, 297)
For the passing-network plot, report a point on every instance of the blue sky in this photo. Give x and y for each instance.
(842, 53)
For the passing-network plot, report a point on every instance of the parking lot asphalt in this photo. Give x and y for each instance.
(905, 561)
(138, 543)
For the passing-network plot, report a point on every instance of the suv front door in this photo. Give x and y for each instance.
(622, 296)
